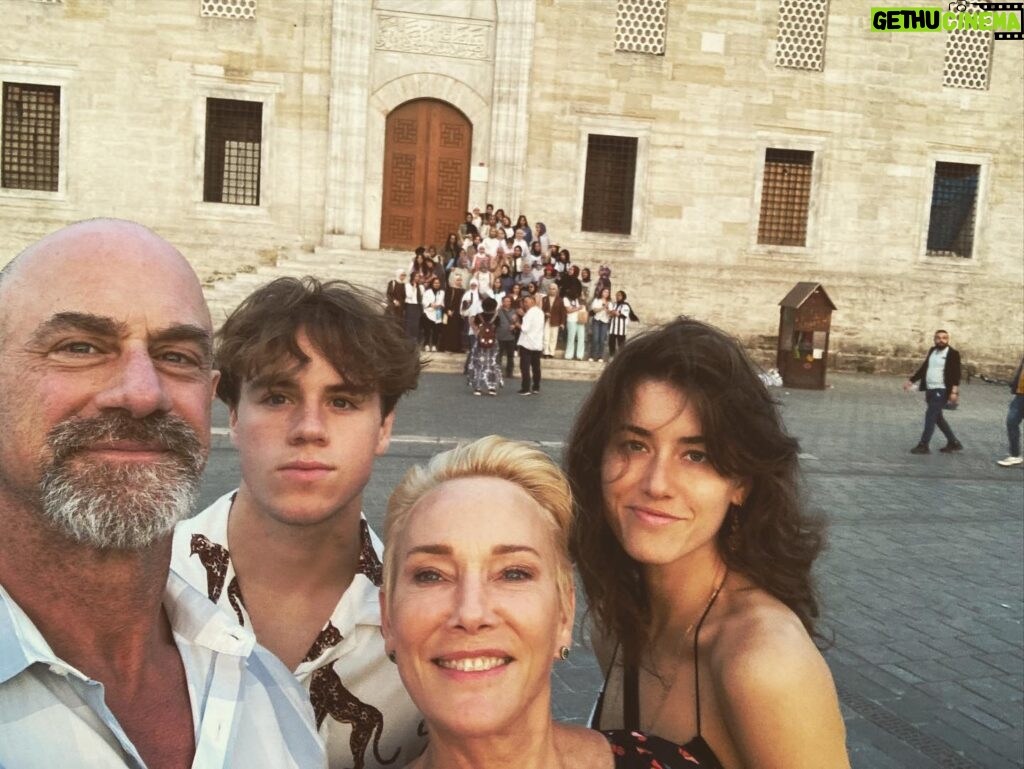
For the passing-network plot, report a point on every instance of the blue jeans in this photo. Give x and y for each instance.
(1014, 416)
(597, 339)
(933, 417)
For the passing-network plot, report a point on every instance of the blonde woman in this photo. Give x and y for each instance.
(478, 606)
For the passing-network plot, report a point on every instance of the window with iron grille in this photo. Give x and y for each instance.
(228, 9)
(785, 197)
(608, 187)
(801, 39)
(968, 59)
(954, 199)
(234, 133)
(640, 26)
(31, 137)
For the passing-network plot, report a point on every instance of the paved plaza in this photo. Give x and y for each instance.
(923, 584)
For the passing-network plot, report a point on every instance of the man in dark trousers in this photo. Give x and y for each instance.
(1014, 416)
(939, 378)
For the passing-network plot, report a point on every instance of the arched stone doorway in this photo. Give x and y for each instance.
(426, 173)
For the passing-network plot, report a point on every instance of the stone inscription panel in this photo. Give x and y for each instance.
(433, 37)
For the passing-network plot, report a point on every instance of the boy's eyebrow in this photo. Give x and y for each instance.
(285, 379)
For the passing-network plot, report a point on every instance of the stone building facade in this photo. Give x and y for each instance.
(713, 155)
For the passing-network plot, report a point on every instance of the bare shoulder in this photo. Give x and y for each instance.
(773, 688)
(583, 748)
(762, 651)
(758, 634)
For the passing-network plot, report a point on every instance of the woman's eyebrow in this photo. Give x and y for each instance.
(643, 432)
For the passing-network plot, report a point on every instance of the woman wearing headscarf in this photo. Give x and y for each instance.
(450, 338)
(471, 307)
(461, 269)
(396, 294)
(554, 318)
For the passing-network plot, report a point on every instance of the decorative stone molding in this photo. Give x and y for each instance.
(434, 37)
(513, 61)
(351, 22)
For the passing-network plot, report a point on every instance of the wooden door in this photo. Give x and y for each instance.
(426, 174)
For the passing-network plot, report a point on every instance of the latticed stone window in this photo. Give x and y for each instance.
(801, 40)
(954, 200)
(968, 56)
(785, 197)
(640, 26)
(234, 135)
(31, 137)
(608, 187)
(228, 9)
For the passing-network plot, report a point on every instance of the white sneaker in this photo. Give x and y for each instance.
(1011, 461)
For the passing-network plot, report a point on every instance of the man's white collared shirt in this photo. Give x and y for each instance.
(361, 707)
(247, 709)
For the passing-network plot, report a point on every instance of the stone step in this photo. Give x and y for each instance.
(367, 268)
(551, 368)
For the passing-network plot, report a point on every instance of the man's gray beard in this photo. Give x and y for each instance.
(126, 506)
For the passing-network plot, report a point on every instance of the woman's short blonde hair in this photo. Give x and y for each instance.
(527, 467)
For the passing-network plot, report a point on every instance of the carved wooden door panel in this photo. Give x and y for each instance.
(426, 174)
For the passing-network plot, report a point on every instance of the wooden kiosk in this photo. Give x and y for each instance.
(804, 322)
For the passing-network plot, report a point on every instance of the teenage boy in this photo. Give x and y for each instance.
(311, 373)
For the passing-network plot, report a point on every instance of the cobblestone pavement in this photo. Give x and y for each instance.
(923, 584)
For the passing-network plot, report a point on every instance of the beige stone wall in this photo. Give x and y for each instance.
(877, 118)
(134, 77)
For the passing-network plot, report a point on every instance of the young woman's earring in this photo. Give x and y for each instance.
(732, 539)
